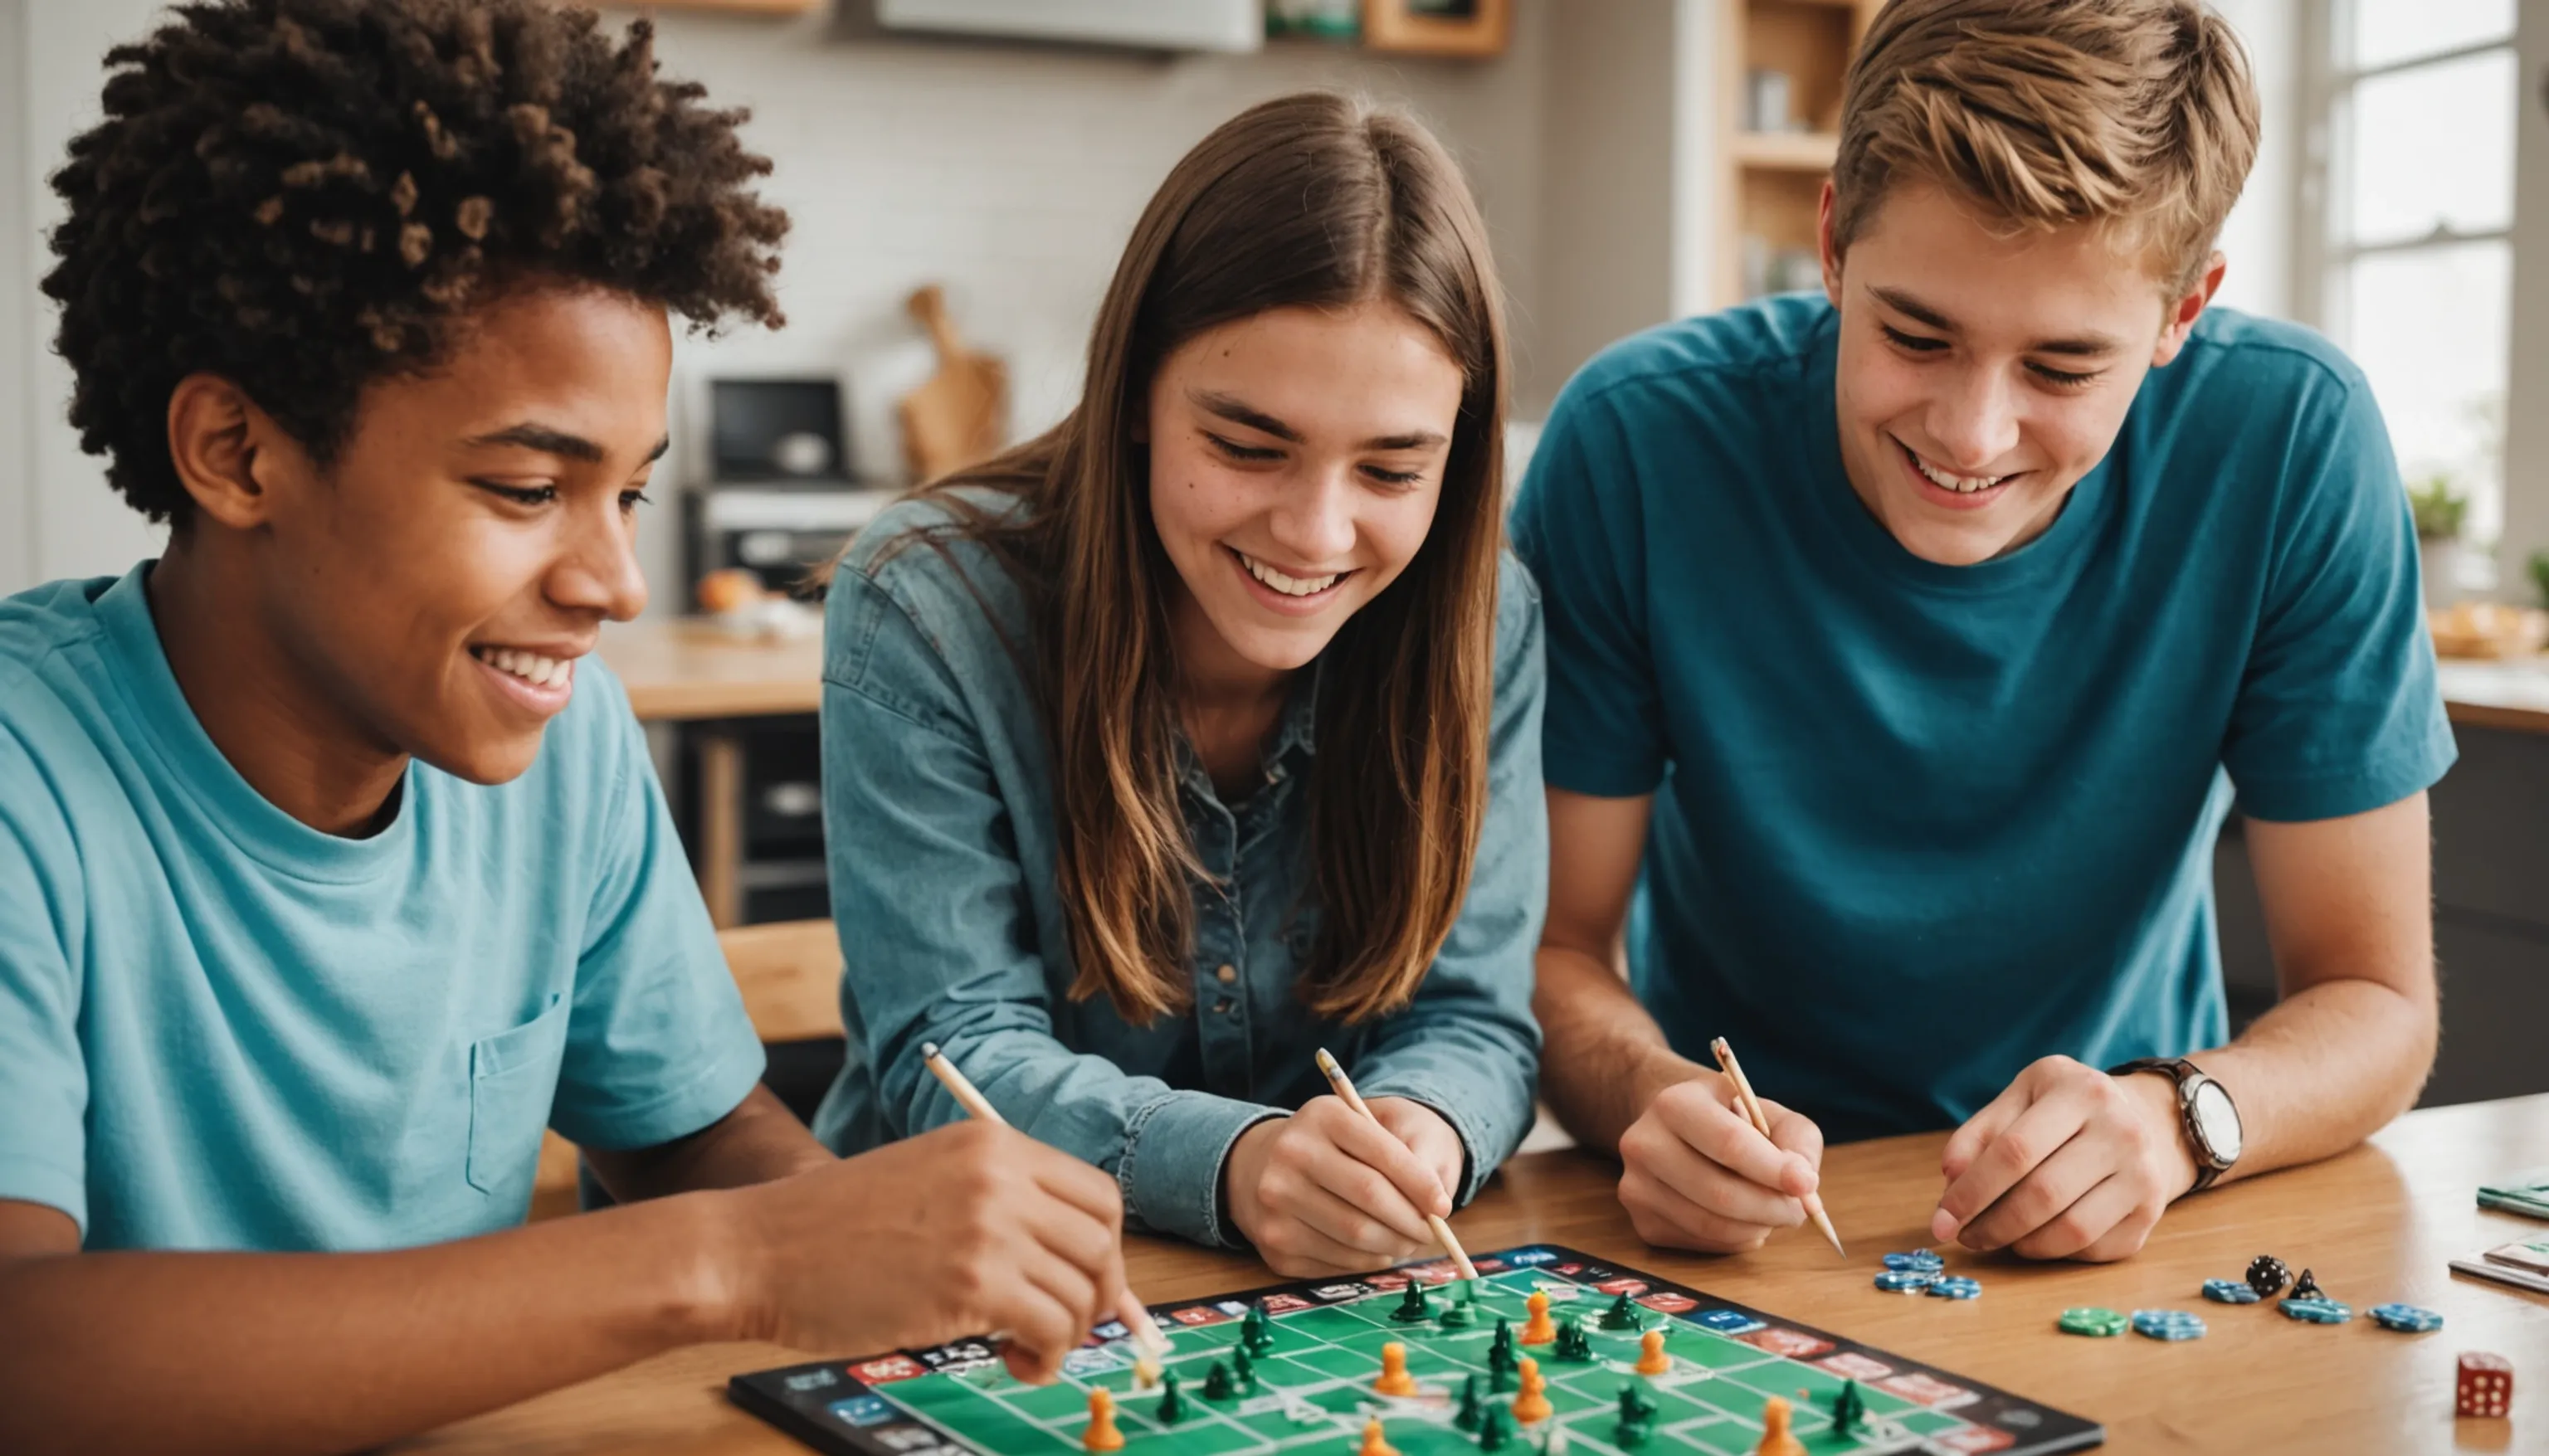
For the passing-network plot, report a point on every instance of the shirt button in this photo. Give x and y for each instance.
(1226, 974)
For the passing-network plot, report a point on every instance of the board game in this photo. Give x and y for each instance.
(1312, 1387)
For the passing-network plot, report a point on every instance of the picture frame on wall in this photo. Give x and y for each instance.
(1473, 29)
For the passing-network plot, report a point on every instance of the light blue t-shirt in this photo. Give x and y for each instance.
(1917, 825)
(222, 1028)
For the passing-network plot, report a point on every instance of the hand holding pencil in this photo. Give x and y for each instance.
(1150, 1345)
(1341, 1187)
(1699, 1171)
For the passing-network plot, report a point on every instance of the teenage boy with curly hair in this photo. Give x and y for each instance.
(1911, 642)
(332, 867)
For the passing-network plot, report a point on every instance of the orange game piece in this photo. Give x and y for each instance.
(1394, 1379)
(1372, 1444)
(1651, 1359)
(1101, 1434)
(1537, 1329)
(1532, 1403)
(1775, 1439)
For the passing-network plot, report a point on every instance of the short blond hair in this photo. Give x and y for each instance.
(2134, 116)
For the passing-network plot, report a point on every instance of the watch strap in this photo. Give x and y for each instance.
(2180, 1071)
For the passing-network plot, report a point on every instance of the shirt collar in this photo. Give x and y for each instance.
(1295, 737)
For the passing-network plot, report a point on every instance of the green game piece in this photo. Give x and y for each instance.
(1637, 1421)
(1621, 1315)
(1245, 1370)
(1216, 1383)
(1411, 1304)
(1255, 1331)
(1574, 1345)
(1462, 1311)
(1849, 1410)
(1472, 1410)
(2092, 1321)
(1502, 1346)
(1504, 1367)
(1172, 1401)
(1496, 1431)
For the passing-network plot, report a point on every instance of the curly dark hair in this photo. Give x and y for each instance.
(306, 196)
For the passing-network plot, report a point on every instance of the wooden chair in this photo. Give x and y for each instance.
(789, 974)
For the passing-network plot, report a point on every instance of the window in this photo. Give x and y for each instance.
(2406, 251)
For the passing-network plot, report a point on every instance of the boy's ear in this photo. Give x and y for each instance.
(226, 450)
(2183, 313)
(1824, 244)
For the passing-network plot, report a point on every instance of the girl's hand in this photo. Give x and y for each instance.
(1325, 1192)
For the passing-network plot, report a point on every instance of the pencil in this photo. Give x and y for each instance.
(1345, 1089)
(1152, 1346)
(1752, 1109)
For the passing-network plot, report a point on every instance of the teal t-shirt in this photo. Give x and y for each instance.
(222, 1028)
(1917, 825)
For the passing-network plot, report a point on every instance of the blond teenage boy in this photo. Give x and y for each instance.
(1911, 642)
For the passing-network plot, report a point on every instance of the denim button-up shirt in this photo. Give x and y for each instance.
(940, 823)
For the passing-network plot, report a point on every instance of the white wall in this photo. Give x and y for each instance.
(78, 525)
(1607, 175)
(17, 505)
(2526, 431)
(2257, 237)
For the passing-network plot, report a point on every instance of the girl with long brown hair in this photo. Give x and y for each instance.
(1203, 730)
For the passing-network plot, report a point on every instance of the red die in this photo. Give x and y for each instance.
(2485, 1384)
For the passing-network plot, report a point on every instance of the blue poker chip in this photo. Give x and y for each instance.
(2230, 1292)
(1955, 1286)
(2405, 1318)
(1906, 1281)
(2317, 1311)
(1919, 1259)
(2169, 1324)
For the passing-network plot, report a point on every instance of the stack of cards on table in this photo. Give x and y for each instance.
(2523, 1193)
(2523, 1263)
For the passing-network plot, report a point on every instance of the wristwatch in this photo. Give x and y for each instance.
(2211, 1119)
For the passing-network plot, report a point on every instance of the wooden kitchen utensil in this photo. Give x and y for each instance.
(957, 417)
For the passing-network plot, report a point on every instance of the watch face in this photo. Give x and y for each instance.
(2217, 1120)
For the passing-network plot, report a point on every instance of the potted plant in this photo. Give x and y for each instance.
(2439, 509)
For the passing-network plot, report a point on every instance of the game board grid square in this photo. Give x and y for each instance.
(1922, 1421)
(991, 1428)
(1332, 1323)
(1786, 1378)
(1718, 1353)
(1057, 1401)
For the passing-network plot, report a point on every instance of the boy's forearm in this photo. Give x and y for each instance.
(2323, 1071)
(760, 1140)
(280, 1353)
(1603, 1058)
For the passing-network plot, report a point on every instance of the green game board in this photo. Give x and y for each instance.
(1318, 1374)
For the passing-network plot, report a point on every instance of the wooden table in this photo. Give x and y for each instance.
(2377, 1223)
(693, 672)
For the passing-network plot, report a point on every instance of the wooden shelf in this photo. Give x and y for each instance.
(1770, 181)
(1786, 151)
